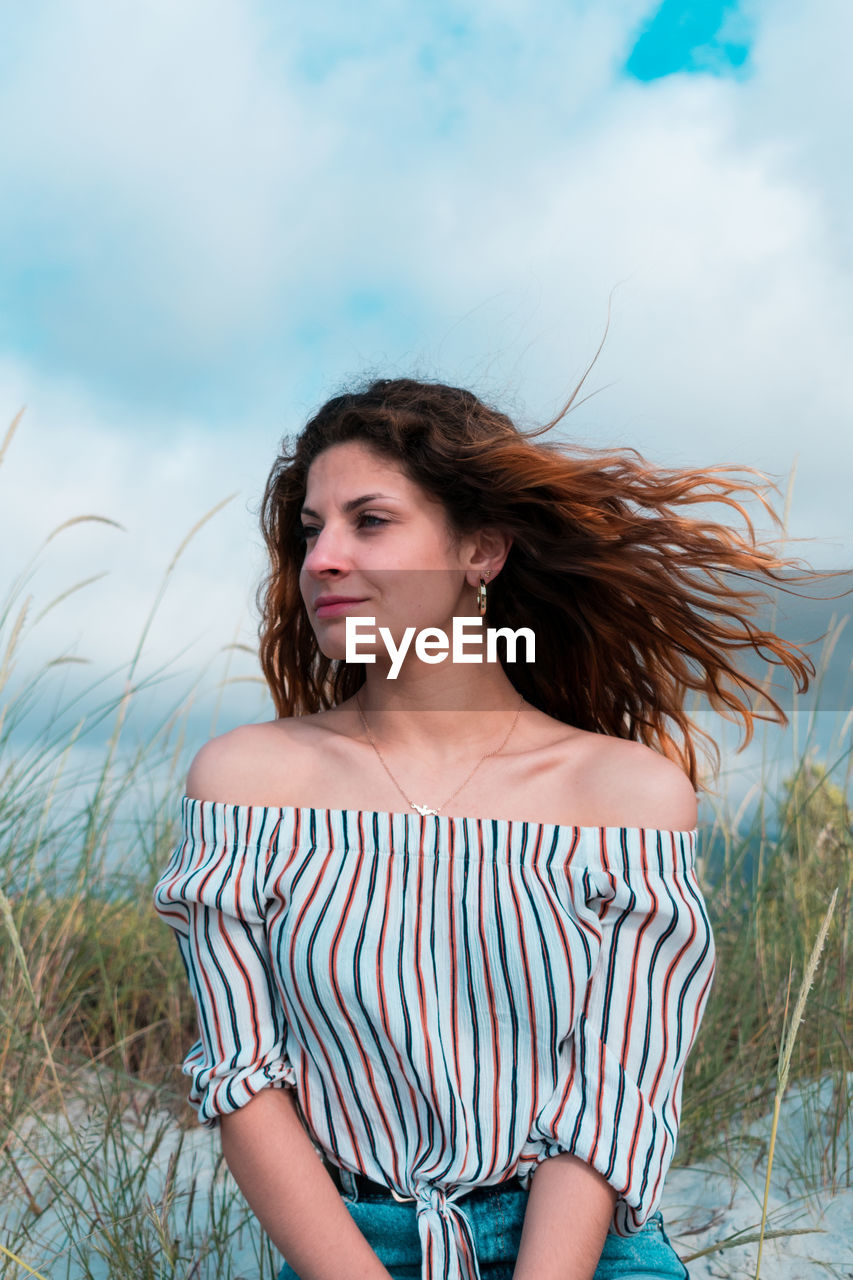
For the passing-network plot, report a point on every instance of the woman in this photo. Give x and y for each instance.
(444, 930)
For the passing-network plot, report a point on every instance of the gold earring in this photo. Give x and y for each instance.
(481, 594)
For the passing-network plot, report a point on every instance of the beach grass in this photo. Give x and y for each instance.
(103, 1170)
(767, 896)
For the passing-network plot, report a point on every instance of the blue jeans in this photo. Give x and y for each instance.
(390, 1228)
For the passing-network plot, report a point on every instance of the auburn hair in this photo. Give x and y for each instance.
(634, 602)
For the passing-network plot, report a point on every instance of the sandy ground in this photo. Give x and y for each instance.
(715, 1208)
(705, 1208)
(701, 1210)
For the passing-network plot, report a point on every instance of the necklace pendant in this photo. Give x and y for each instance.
(423, 809)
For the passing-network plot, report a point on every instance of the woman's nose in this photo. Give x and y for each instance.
(327, 549)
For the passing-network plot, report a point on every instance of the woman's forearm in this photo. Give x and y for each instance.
(568, 1211)
(291, 1193)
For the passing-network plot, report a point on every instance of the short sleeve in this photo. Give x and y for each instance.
(211, 894)
(617, 1103)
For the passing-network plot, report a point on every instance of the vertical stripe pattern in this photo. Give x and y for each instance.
(454, 999)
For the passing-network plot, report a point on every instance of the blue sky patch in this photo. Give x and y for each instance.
(702, 36)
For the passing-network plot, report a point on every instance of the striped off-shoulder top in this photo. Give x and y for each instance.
(453, 999)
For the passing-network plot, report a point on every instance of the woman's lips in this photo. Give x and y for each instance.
(329, 610)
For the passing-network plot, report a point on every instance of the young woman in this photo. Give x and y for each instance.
(444, 930)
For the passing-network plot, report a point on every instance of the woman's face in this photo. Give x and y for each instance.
(374, 535)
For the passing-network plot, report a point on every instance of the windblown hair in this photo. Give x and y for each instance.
(632, 600)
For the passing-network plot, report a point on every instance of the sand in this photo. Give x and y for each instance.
(810, 1194)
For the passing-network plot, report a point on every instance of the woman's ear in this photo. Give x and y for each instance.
(491, 547)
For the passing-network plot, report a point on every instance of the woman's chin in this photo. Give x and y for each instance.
(331, 648)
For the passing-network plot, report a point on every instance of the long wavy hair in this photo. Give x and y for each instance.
(634, 602)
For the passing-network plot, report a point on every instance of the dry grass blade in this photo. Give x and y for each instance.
(733, 1242)
(6, 665)
(66, 524)
(785, 1054)
(69, 591)
(208, 515)
(199, 524)
(29, 1270)
(124, 704)
(13, 427)
(11, 927)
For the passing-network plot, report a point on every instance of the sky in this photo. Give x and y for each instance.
(216, 213)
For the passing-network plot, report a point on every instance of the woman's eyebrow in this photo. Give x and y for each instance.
(349, 506)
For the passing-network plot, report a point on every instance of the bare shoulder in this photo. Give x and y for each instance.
(240, 767)
(637, 786)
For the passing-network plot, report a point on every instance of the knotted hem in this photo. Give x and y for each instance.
(447, 1239)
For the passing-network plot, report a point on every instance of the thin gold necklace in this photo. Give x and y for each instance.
(424, 809)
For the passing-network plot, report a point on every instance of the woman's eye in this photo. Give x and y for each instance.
(307, 531)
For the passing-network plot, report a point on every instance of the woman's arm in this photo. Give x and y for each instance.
(213, 896)
(615, 1109)
(291, 1193)
(568, 1211)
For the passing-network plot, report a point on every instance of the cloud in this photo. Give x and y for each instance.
(201, 194)
(155, 176)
